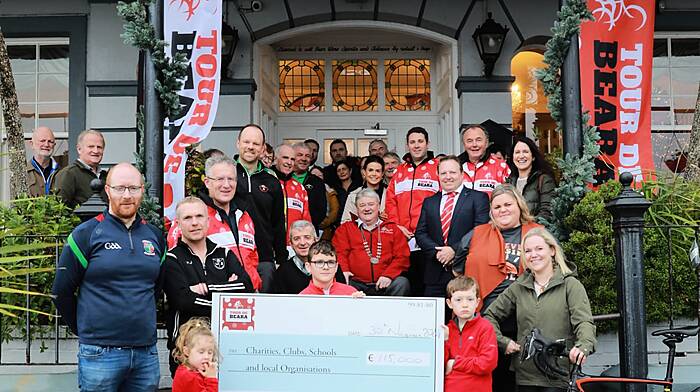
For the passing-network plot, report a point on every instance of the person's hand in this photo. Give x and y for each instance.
(405, 232)
(347, 276)
(209, 370)
(577, 356)
(445, 255)
(446, 331)
(448, 367)
(200, 288)
(383, 282)
(233, 278)
(358, 294)
(512, 347)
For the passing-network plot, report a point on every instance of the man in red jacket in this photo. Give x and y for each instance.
(482, 171)
(372, 254)
(414, 181)
(296, 199)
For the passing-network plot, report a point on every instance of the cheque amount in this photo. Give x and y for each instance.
(265, 362)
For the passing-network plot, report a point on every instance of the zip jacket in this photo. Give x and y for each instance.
(296, 200)
(475, 352)
(486, 174)
(116, 272)
(409, 186)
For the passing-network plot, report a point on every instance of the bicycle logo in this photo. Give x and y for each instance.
(615, 9)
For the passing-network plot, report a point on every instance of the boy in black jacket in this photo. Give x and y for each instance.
(195, 268)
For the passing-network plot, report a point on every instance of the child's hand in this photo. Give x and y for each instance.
(448, 368)
(446, 331)
(210, 370)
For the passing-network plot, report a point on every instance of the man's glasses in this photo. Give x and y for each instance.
(321, 264)
(120, 189)
(221, 180)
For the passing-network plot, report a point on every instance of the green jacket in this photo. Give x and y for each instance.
(538, 193)
(73, 184)
(562, 311)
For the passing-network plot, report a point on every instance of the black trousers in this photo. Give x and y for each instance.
(416, 273)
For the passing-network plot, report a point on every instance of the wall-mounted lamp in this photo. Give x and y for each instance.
(489, 38)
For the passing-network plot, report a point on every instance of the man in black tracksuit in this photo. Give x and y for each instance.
(194, 269)
(260, 194)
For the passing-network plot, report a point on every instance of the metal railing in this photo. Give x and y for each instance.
(58, 332)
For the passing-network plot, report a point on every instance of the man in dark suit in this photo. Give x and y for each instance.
(445, 218)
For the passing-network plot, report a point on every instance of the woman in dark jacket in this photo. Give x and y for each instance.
(532, 176)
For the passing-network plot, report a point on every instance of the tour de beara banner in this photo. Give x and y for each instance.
(615, 52)
(192, 28)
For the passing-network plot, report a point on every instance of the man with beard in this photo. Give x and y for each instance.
(260, 194)
(292, 276)
(42, 168)
(339, 153)
(229, 226)
(114, 261)
(314, 186)
(295, 196)
(314, 147)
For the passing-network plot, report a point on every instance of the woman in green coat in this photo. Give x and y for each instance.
(533, 176)
(549, 297)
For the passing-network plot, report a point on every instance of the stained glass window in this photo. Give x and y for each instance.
(407, 85)
(301, 85)
(354, 85)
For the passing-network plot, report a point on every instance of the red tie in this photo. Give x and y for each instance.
(446, 215)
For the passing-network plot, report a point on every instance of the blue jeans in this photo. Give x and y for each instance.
(113, 369)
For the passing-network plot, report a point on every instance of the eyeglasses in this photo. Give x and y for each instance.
(120, 189)
(321, 264)
(221, 180)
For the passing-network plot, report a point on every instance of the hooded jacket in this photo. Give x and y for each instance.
(37, 184)
(260, 194)
(562, 311)
(409, 186)
(475, 352)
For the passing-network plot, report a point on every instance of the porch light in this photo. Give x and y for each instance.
(229, 38)
(489, 38)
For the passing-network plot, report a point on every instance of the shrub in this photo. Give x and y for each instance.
(32, 221)
(591, 247)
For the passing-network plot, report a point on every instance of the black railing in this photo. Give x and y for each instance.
(32, 328)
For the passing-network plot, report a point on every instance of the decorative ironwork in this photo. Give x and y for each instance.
(301, 85)
(354, 85)
(407, 85)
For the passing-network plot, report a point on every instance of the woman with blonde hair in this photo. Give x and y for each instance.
(490, 253)
(549, 297)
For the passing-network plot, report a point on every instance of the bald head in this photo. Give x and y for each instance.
(284, 158)
(124, 171)
(43, 143)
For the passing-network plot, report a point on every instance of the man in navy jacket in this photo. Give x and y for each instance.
(469, 208)
(105, 289)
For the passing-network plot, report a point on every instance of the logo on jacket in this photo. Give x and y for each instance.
(218, 263)
(112, 246)
(263, 188)
(309, 186)
(148, 248)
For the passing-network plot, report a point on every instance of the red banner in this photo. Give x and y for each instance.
(616, 58)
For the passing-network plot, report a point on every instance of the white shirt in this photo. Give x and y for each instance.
(444, 199)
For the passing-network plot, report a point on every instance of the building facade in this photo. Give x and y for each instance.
(326, 69)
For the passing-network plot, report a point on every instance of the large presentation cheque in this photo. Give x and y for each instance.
(292, 343)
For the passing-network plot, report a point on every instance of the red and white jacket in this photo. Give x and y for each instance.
(296, 201)
(409, 186)
(352, 256)
(485, 175)
(220, 233)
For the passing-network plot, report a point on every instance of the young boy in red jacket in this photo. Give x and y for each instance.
(471, 350)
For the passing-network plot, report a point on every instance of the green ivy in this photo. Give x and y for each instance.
(576, 171)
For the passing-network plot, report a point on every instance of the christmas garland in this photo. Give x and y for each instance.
(140, 33)
(576, 171)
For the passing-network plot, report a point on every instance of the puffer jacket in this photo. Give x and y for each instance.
(562, 311)
(538, 193)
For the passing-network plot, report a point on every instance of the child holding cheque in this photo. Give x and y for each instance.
(471, 350)
(196, 352)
